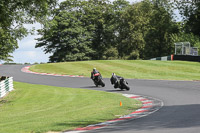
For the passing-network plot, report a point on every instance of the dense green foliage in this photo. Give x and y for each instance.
(99, 29)
(15, 13)
(190, 10)
(39, 108)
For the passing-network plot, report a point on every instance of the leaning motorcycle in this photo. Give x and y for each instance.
(122, 84)
(97, 78)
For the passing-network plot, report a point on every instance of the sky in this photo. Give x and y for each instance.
(27, 53)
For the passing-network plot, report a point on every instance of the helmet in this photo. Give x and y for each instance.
(94, 69)
(113, 74)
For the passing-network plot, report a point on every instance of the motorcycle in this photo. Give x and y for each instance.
(97, 78)
(120, 83)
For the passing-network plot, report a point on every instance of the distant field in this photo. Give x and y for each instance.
(136, 69)
(39, 108)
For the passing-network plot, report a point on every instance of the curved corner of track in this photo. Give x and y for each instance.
(149, 106)
(26, 70)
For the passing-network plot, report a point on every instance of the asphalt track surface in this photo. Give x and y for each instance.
(180, 113)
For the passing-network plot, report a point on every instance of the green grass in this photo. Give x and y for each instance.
(39, 108)
(136, 69)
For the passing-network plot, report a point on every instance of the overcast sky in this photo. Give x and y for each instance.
(27, 53)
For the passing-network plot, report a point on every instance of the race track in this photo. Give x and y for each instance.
(180, 113)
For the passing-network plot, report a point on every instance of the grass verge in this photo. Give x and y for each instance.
(39, 108)
(137, 69)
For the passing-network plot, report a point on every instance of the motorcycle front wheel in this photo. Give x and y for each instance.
(102, 83)
(126, 87)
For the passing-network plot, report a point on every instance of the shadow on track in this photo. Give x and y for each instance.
(85, 87)
(169, 117)
(97, 88)
(116, 90)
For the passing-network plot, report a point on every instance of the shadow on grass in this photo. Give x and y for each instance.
(2, 102)
(78, 124)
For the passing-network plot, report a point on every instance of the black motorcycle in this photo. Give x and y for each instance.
(119, 83)
(97, 78)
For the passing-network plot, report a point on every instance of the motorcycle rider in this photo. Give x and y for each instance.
(116, 80)
(94, 71)
(97, 78)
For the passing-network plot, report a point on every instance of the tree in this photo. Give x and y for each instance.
(161, 26)
(147, 26)
(190, 11)
(66, 35)
(135, 21)
(100, 16)
(120, 26)
(13, 14)
(193, 21)
(138, 19)
(80, 30)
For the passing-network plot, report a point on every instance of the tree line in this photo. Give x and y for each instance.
(78, 30)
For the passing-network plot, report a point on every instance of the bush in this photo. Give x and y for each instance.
(111, 54)
(134, 55)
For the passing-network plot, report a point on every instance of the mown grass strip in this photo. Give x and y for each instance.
(136, 69)
(39, 108)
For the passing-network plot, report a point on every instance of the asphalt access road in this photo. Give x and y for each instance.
(180, 113)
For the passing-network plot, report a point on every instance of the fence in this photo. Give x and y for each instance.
(178, 57)
(187, 58)
(6, 85)
(164, 58)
